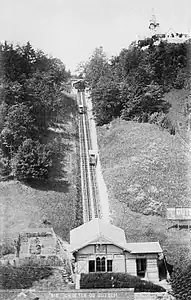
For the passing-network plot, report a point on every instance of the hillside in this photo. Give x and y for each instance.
(24, 205)
(145, 170)
(133, 84)
(179, 99)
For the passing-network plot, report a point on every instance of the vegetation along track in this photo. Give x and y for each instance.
(91, 207)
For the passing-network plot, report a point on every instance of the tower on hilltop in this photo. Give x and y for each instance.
(153, 25)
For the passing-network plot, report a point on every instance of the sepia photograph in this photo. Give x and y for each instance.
(95, 150)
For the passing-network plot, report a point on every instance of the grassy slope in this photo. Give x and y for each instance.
(141, 163)
(22, 206)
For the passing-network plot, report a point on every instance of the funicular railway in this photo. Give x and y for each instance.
(88, 160)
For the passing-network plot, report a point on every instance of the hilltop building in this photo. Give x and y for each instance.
(101, 247)
(171, 36)
(155, 36)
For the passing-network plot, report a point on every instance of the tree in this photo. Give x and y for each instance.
(143, 100)
(32, 161)
(106, 101)
(19, 125)
(132, 85)
(127, 61)
(29, 104)
(96, 67)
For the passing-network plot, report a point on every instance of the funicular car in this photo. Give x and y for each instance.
(81, 109)
(93, 157)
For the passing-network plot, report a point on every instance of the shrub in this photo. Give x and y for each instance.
(153, 118)
(7, 249)
(117, 280)
(181, 283)
(4, 166)
(22, 277)
(163, 121)
(154, 208)
(181, 79)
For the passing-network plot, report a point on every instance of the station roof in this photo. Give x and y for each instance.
(147, 247)
(94, 231)
(99, 231)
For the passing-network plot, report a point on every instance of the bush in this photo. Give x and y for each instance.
(163, 121)
(153, 118)
(181, 79)
(6, 249)
(117, 280)
(22, 277)
(181, 283)
(4, 166)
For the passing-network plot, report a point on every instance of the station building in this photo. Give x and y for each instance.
(95, 246)
(101, 247)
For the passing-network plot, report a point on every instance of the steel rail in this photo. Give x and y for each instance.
(84, 174)
(92, 169)
(90, 193)
(91, 204)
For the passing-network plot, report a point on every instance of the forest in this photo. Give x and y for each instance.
(132, 84)
(30, 97)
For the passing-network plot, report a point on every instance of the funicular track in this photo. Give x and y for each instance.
(94, 186)
(90, 195)
(87, 213)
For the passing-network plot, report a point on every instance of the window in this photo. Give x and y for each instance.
(141, 267)
(91, 266)
(103, 264)
(100, 265)
(109, 265)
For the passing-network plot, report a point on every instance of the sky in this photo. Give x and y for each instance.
(71, 29)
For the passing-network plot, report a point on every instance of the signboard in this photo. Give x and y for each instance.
(96, 294)
(179, 213)
(84, 294)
